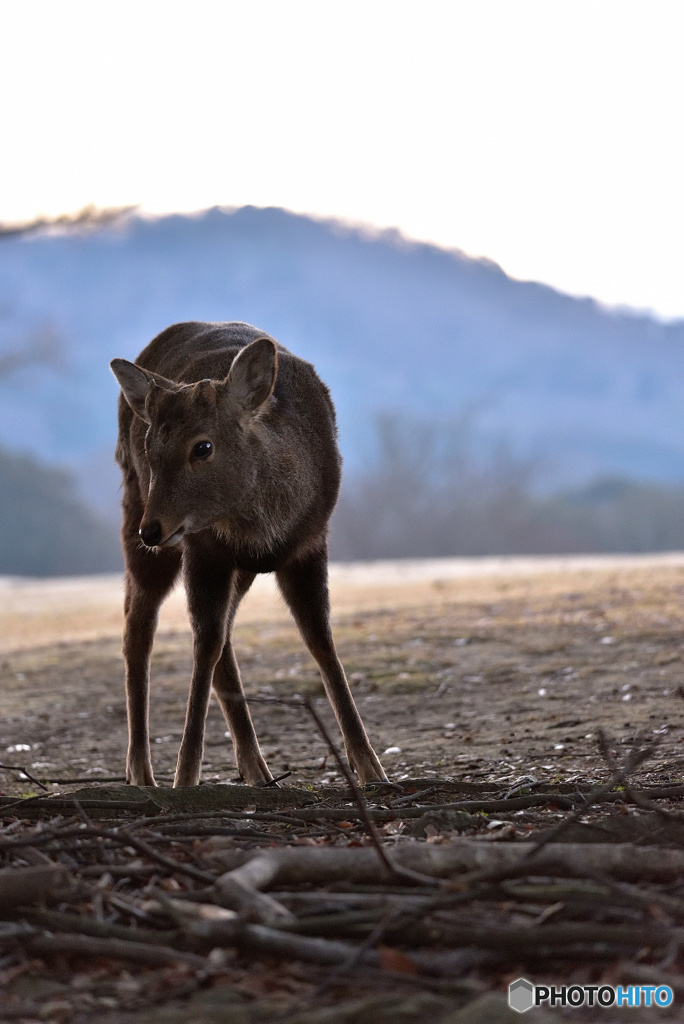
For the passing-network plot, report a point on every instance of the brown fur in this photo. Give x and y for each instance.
(259, 501)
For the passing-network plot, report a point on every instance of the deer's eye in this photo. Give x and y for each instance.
(202, 450)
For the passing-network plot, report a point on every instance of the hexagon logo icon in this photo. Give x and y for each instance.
(521, 995)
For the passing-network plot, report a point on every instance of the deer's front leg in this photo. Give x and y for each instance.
(208, 594)
(141, 620)
(149, 577)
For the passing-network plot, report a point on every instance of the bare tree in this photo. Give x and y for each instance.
(430, 494)
(89, 218)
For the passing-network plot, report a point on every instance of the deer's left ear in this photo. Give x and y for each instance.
(253, 374)
(135, 384)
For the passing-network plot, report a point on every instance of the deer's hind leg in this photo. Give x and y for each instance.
(304, 585)
(231, 696)
(150, 575)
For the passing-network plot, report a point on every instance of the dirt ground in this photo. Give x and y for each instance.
(487, 676)
(476, 670)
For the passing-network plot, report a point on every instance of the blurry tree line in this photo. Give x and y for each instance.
(46, 529)
(427, 494)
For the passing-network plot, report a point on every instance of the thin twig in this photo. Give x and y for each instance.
(401, 801)
(121, 839)
(149, 851)
(353, 785)
(25, 772)
(393, 868)
(648, 805)
(635, 758)
(276, 780)
(81, 813)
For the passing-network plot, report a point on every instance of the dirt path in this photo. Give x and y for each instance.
(488, 669)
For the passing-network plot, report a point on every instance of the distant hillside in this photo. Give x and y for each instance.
(390, 324)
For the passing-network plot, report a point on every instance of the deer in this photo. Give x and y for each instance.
(230, 466)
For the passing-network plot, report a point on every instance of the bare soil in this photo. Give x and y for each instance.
(475, 671)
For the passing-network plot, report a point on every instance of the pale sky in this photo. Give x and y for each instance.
(546, 135)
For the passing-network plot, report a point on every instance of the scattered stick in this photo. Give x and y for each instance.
(83, 924)
(118, 838)
(276, 780)
(25, 772)
(81, 812)
(388, 862)
(351, 782)
(305, 815)
(402, 801)
(41, 943)
(167, 910)
(149, 851)
(648, 805)
(40, 837)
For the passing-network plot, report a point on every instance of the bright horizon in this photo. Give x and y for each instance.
(544, 137)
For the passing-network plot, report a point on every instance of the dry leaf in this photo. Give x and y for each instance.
(394, 960)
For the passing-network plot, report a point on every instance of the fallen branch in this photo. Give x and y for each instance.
(59, 804)
(258, 939)
(189, 830)
(82, 924)
(152, 813)
(255, 938)
(559, 940)
(35, 941)
(479, 861)
(23, 886)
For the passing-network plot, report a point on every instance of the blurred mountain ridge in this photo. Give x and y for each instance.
(391, 324)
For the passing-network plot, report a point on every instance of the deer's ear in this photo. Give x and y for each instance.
(135, 384)
(253, 374)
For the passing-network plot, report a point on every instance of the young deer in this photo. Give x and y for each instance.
(227, 445)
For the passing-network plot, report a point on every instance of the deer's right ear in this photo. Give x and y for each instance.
(135, 384)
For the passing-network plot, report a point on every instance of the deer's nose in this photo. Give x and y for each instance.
(151, 534)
